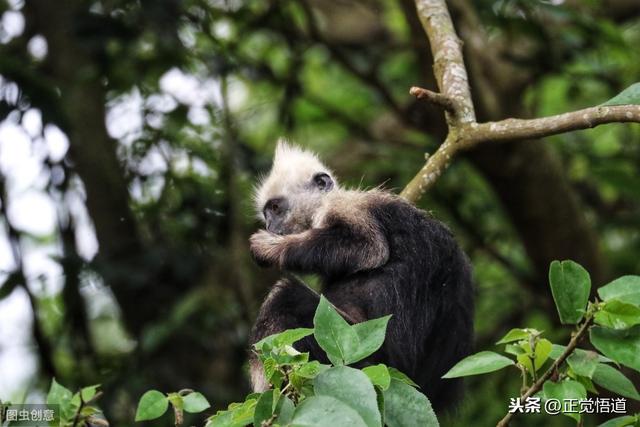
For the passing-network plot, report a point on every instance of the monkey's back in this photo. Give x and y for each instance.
(426, 285)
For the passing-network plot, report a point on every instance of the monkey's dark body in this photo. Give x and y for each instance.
(425, 284)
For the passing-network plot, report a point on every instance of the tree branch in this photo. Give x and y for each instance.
(451, 74)
(512, 129)
(537, 386)
(463, 130)
(434, 98)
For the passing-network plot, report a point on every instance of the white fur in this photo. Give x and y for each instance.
(259, 382)
(292, 169)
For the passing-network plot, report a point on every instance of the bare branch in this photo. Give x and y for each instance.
(434, 98)
(464, 137)
(430, 172)
(514, 129)
(448, 66)
(455, 97)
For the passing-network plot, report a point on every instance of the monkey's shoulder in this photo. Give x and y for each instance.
(366, 208)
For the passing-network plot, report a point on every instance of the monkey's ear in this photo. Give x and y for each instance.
(323, 181)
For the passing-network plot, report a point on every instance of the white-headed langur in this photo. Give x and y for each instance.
(376, 254)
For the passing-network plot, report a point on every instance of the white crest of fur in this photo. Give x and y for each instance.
(293, 167)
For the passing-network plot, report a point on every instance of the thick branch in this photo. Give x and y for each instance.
(520, 173)
(430, 172)
(464, 132)
(448, 66)
(467, 136)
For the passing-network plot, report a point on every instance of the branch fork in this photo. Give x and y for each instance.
(454, 97)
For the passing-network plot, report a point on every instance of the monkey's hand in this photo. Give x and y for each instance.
(266, 248)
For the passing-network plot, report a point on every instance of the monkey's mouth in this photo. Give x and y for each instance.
(279, 227)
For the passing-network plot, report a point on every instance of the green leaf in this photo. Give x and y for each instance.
(371, 335)
(624, 421)
(67, 401)
(557, 350)
(351, 387)
(625, 288)
(288, 355)
(401, 376)
(264, 407)
(587, 383)
(525, 360)
(515, 334)
(630, 95)
(236, 415)
(254, 396)
(616, 314)
(242, 413)
(542, 351)
(87, 411)
(379, 375)
(195, 402)
(570, 286)
(89, 392)
(299, 377)
(336, 337)
(58, 394)
(221, 419)
(583, 363)
(563, 390)
(311, 370)
(285, 411)
(271, 372)
(613, 380)
(404, 406)
(479, 363)
(325, 411)
(288, 337)
(621, 346)
(380, 400)
(153, 404)
(514, 349)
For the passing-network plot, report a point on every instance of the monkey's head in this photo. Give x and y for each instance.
(293, 191)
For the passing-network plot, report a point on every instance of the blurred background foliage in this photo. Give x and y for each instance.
(150, 120)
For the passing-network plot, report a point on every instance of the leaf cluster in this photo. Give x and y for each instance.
(310, 393)
(613, 327)
(76, 409)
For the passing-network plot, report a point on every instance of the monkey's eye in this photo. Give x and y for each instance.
(323, 181)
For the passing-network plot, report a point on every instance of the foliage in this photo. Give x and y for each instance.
(305, 392)
(153, 404)
(75, 409)
(551, 371)
(311, 393)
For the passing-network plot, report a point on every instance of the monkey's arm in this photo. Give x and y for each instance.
(337, 249)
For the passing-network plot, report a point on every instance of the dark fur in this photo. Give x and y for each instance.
(423, 280)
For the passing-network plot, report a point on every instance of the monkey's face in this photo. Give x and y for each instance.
(293, 211)
(294, 190)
